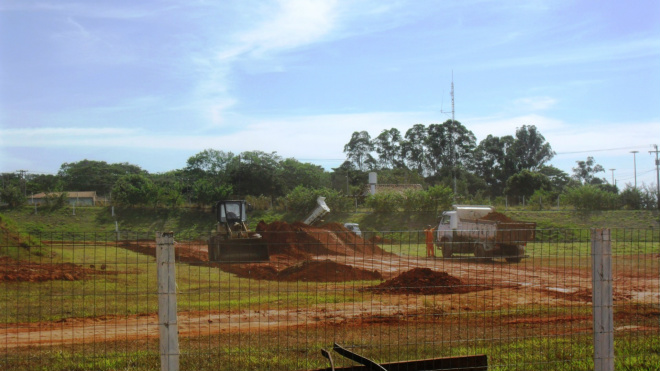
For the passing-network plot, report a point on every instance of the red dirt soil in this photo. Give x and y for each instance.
(12, 270)
(309, 270)
(424, 281)
(301, 241)
(497, 217)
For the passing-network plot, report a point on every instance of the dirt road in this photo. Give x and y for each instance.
(509, 285)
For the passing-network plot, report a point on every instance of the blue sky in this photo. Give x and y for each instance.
(154, 82)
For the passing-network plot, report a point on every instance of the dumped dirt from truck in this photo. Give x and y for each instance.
(12, 270)
(301, 241)
(306, 271)
(497, 217)
(424, 281)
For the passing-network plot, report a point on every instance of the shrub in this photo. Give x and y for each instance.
(591, 197)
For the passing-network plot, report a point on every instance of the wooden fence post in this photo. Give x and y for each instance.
(167, 319)
(603, 318)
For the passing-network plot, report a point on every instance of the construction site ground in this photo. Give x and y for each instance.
(390, 286)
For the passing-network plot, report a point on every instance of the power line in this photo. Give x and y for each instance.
(598, 150)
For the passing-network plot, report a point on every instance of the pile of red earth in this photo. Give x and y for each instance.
(424, 281)
(12, 270)
(301, 241)
(307, 271)
(497, 217)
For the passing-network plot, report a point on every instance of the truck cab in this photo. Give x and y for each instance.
(353, 227)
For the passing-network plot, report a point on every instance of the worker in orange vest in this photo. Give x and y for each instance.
(429, 241)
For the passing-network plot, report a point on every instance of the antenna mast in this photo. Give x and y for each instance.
(452, 96)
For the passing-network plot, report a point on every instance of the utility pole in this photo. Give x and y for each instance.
(453, 154)
(22, 175)
(657, 173)
(612, 170)
(635, 165)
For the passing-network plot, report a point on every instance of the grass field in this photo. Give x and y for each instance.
(518, 323)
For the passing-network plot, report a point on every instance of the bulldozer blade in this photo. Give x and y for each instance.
(239, 250)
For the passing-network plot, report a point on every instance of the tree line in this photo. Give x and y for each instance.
(444, 158)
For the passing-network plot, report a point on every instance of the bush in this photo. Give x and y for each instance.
(386, 202)
(591, 197)
(13, 196)
(55, 202)
(303, 200)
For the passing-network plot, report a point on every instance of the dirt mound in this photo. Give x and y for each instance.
(309, 270)
(12, 270)
(302, 241)
(497, 217)
(424, 281)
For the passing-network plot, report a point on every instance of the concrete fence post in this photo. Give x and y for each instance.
(167, 319)
(603, 316)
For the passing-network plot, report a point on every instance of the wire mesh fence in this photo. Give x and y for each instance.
(72, 301)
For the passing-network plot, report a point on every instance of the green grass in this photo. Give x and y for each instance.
(298, 348)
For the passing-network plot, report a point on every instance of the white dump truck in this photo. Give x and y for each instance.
(479, 230)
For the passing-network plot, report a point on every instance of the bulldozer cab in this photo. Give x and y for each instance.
(231, 211)
(233, 241)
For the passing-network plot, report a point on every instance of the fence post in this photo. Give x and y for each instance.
(603, 318)
(167, 320)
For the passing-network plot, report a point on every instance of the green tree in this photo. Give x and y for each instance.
(207, 192)
(531, 150)
(13, 196)
(586, 171)
(134, 190)
(559, 179)
(388, 147)
(526, 182)
(494, 163)
(413, 148)
(591, 197)
(99, 176)
(450, 145)
(256, 173)
(293, 173)
(209, 163)
(358, 149)
(37, 183)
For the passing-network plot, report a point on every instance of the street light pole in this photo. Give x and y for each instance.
(612, 170)
(635, 165)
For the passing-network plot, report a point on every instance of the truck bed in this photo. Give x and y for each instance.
(507, 233)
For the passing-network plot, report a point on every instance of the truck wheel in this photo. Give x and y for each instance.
(479, 251)
(446, 251)
(520, 253)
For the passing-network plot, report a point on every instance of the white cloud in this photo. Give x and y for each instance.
(535, 103)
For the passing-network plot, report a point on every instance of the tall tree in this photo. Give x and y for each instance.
(450, 145)
(358, 149)
(493, 162)
(413, 148)
(530, 150)
(586, 171)
(388, 147)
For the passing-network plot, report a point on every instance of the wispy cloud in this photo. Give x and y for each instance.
(613, 50)
(535, 103)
